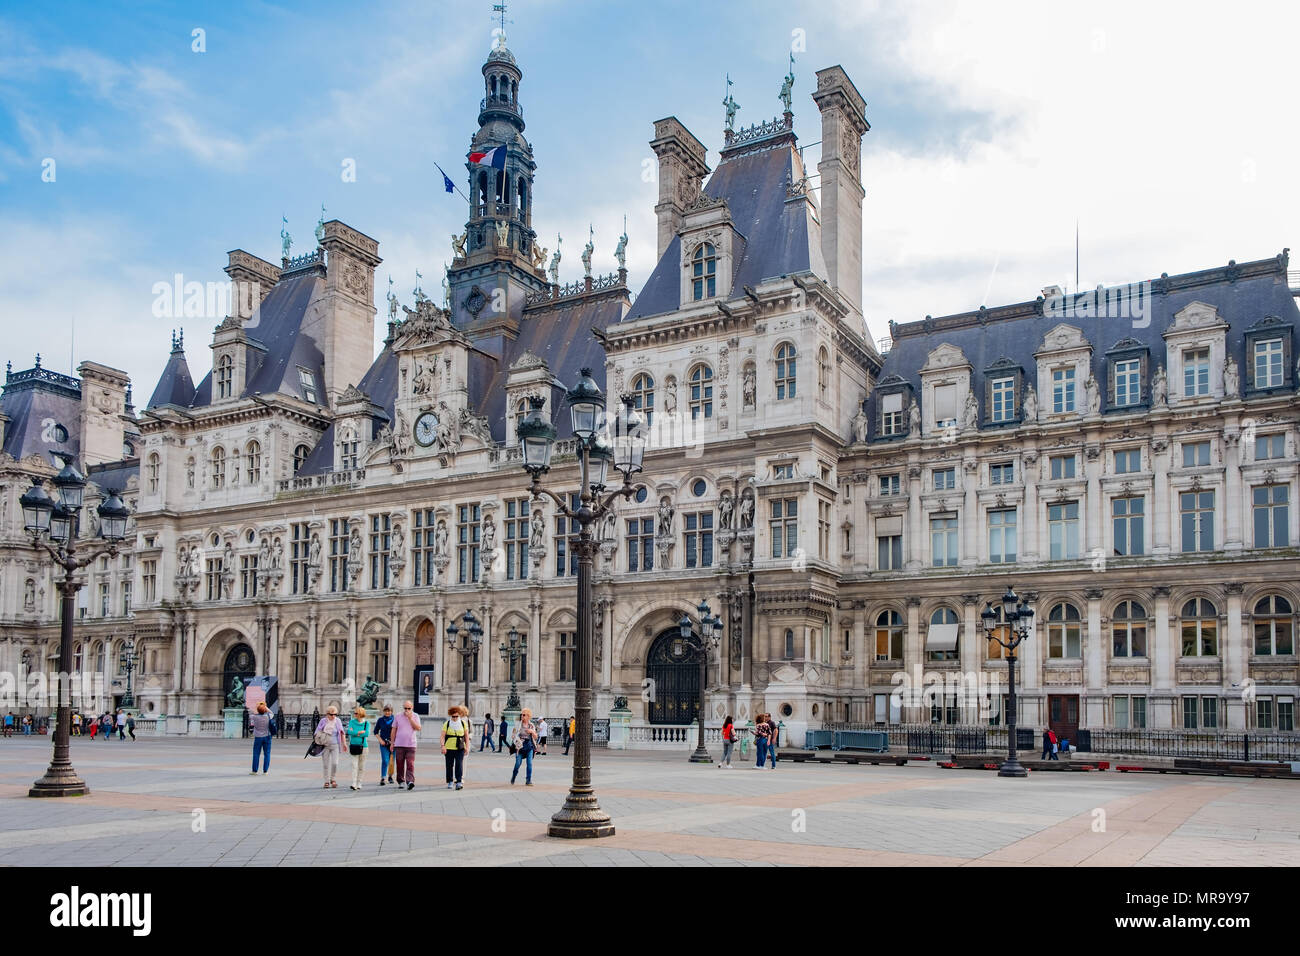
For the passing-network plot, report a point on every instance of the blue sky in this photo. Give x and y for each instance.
(1163, 130)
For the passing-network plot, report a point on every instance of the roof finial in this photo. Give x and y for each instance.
(786, 96)
(499, 33)
(320, 225)
(729, 102)
(38, 359)
(286, 241)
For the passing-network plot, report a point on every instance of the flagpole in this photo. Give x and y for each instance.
(452, 181)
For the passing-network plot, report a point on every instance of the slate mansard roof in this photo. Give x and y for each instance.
(36, 401)
(1243, 294)
(777, 237)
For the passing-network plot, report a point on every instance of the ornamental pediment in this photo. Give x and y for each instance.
(1194, 316)
(945, 356)
(1063, 338)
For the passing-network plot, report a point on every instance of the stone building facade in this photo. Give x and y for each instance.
(307, 513)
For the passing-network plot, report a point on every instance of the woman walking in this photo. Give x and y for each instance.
(384, 731)
(455, 740)
(761, 740)
(358, 741)
(728, 742)
(773, 737)
(262, 723)
(405, 726)
(525, 744)
(329, 734)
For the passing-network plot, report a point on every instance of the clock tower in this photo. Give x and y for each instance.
(497, 260)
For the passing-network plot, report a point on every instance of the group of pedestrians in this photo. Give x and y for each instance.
(13, 722)
(105, 725)
(766, 733)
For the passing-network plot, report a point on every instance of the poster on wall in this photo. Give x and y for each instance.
(423, 688)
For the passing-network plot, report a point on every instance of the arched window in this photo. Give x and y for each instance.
(225, 376)
(218, 468)
(77, 658)
(1200, 621)
(348, 450)
(1128, 628)
(889, 636)
(789, 644)
(253, 462)
(785, 370)
(704, 271)
(154, 469)
(300, 454)
(1273, 626)
(1063, 632)
(701, 380)
(643, 396)
(99, 657)
(941, 644)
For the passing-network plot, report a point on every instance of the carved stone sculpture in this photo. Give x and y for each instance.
(458, 245)
(1159, 387)
(538, 540)
(859, 426)
(914, 418)
(747, 512)
(1093, 392)
(726, 508)
(665, 526)
(1231, 378)
(751, 393)
(440, 539)
(1030, 404)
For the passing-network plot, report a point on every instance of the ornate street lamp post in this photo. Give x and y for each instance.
(471, 638)
(128, 664)
(581, 815)
(512, 653)
(697, 643)
(1016, 618)
(53, 527)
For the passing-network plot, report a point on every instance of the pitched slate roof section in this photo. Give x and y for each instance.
(1242, 293)
(36, 401)
(283, 340)
(779, 237)
(114, 475)
(175, 387)
(380, 383)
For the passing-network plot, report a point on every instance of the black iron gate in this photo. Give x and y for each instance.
(674, 685)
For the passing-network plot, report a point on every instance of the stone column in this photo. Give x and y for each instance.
(1234, 649)
(351, 670)
(273, 625)
(916, 546)
(1233, 533)
(913, 660)
(1093, 518)
(1029, 667)
(1093, 713)
(607, 646)
(394, 647)
(313, 632)
(1160, 710)
(968, 653)
(860, 652)
(535, 639)
(439, 641)
(970, 524)
(1160, 517)
(178, 655)
(1029, 514)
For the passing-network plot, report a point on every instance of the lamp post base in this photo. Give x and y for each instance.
(701, 756)
(581, 818)
(59, 783)
(1012, 768)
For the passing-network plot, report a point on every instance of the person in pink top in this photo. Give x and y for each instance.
(332, 728)
(405, 727)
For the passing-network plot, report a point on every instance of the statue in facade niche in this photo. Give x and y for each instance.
(228, 559)
(277, 556)
(264, 554)
(313, 552)
(1231, 378)
(489, 534)
(670, 395)
(29, 595)
(440, 539)
(751, 383)
(859, 426)
(503, 233)
(609, 526)
(1030, 404)
(1093, 392)
(538, 540)
(726, 508)
(665, 527)
(1159, 387)
(914, 418)
(189, 473)
(746, 512)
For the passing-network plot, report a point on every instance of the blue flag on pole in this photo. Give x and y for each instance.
(446, 181)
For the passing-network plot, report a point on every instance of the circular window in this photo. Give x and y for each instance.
(786, 710)
(250, 537)
(641, 494)
(699, 488)
(216, 540)
(60, 434)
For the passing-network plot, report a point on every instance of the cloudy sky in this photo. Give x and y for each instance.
(128, 157)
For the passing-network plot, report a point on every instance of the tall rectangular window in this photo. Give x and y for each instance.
(380, 550)
(1128, 461)
(1002, 536)
(1191, 712)
(889, 485)
(823, 529)
(1209, 713)
(1270, 446)
(212, 577)
(1268, 363)
(379, 659)
(945, 479)
(518, 530)
(1127, 525)
(1002, 473)
(1062, 390)
(889, 552)
(1286, 713)
(1196, 372)
(640, 544)
(338, 660)
(891, 414)
(1196, 454)
(945, 405)
(298, 660)
(784, 526)
(467, 542)
(149, 581)
(943, 541)
(103, 599)
(308, 382)
(1128, 382)
(299, 554)
(566, 542)
(338, 554)
(1060, 467)
(1002, 391)
(566, 650)
(699, 539)
(1196, 510)
(248, 575)
(1063, 530)
(1271, 511)
(424, 543)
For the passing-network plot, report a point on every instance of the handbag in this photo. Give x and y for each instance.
(356, 749)
(314, 750)
(322, 738)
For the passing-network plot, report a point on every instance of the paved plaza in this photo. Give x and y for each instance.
(161, 802)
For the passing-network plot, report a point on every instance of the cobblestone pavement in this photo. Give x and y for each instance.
(172, 802)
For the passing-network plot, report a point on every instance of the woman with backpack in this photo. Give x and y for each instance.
(455, 740)
(329, 734)
(358, 741)
(525, 744)
(728, 742)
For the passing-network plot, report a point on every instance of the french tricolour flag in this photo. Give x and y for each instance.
(494, 157)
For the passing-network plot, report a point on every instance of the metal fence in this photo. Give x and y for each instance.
(289, 725)
(1189, 743)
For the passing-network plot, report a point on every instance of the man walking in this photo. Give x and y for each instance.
(502, 726)
(405, 726)
(130, 725)
(488, 728)
(121, 724)
(541, 735)
(569, 727)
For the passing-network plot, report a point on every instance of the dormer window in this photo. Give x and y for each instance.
(308, 382)
(1196, 372)
(1127, 383)
(1003, 392)
(704, 271)
(1268, 361)
(891, 414)
(225, 376)
(300, 454)
(1268, 356)
(1062, 390)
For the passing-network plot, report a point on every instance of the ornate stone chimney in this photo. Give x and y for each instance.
(681, 171)
(843, 125)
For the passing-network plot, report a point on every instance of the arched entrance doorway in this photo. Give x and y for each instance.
(239, 663)
(675, 693)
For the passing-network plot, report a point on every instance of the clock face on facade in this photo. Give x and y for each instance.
(426, 429)
(476, 301)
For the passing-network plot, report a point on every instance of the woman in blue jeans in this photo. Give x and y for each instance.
(760, 739)
(525, 744)
(262, 731)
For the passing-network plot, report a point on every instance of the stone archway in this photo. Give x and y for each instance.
(675, 691)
